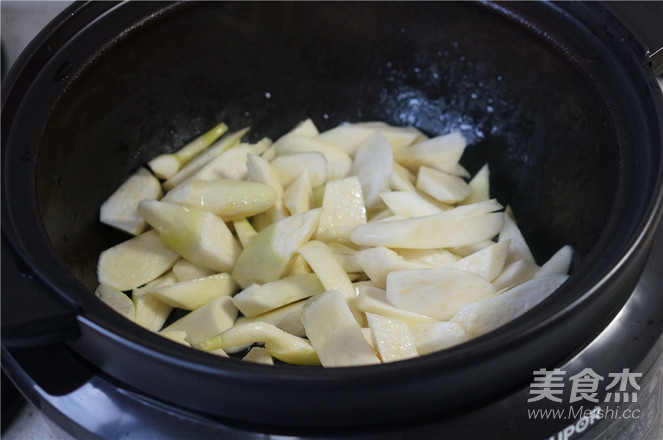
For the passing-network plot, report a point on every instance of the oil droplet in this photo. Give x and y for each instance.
(64, 72)
(268, 95)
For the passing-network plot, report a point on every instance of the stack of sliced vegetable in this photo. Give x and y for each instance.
(363, 244)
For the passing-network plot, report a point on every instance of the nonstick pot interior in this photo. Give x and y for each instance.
(550, 144)
(551, 129)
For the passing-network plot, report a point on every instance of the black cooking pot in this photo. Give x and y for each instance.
(555, 97)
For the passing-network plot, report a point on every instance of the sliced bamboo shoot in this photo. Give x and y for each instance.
(393, 339)
(120, 210)
(116, 300)
(279, 344)
(460, 226)
(199, 236)
(166, 165)
(257, 299)
(334, 332)
(268, 254)
(211, 319)
(135, 262)
(438, 292)
(490, 313)
(192, 294)
(228, 198)
(187, 171)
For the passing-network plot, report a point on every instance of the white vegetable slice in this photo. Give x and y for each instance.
(211, 319)
(176, 336)
(327, 268)
(191, 294)
(339, 162)
(199, 236)
(379, 261)
(515, 273)
(366, 332)
(459, 226)
(342, 209)
(298, 196)
(258, 355)
(467, 250)
(185, 270)
(151, 313)
(259, 170)
(430, 257)
(346, 137)
(559, 263)
(291, 166)
(116, 300)
(441, 186)
(435, 336)
(393, 339)
(479, 186)
(287, 318)
(437, 292)
(346, 256)
(372, 299)
(230, 140)
(257, 299)
(228, 198)
(267, 256)
(135, 262)
(372, 165)
(166, 165)
(269, 154)
(279, 344)
(297, 266)
(120, 210)
(244, 230)
(488, 314)
(219, 352)
(441, 152)
(231, 164)
(519, 249)
(334, 332)
(305, 128)
(409, 204)
(488, 263)
(399, 137)
(402, 179)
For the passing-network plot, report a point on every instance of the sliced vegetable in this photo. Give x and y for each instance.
(228, 198)
(268, 254)
(199, 236)
(460, 226)
(257, 299)
(120, 210)
(166, 165)
(135, 262)
(334, 332)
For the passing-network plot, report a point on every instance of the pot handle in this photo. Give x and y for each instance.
(645, 21)
(31, 314)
